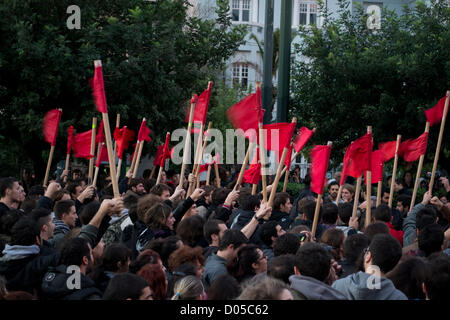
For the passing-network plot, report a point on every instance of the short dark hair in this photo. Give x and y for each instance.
(219, 195)
(405, 200)
(382, 213)
(160, 188)
(281, 267)
(313, 260)
(72, 187)
(345, 211)
(224, 287)
(288, 243)
(62, 206)
(36, 190)
(408, 277)
(425, 216)
(310, 209)
(354, 245)
(146, 174)
(135, 182)
(6, 183)
(125, 286)
(42, 216)
(211, 227)
(376, 228)
(24, 232)
(386, 252)
(249, 202)
(190, 230)
(267, 231)
(279, 199)
(232, 237)
(437, 277)
(431, 238)
(89, 212)
(330, 213)
(332, 183)
(74, 250)
(113, 254)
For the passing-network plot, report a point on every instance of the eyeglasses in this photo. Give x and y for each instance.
(366, 250)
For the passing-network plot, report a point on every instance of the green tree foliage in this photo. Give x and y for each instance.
(351, 77)
(154, 57)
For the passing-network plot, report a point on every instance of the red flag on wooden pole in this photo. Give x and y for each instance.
(387, 149)
(123, 138)
(82, 145)
(320, 156)
(412, 149)
(303, 135)
(434, 115)
(285, 132)
(50, 125)
(144, 132)
(201, 107)
(357, 158)
(377, 166)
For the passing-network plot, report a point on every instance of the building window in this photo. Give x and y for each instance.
(307, 13)
(240, 10)
(240, 74)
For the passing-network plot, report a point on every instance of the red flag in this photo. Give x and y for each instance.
(303, 135)
(247, 114)
(166, 151)
(103, 155)
(377, 167)
(98, 90)
(287, 160)
(144, 132)
(285, 132)
(201, 108)
(252, 174)
(320, 156)
(357, 158)
(158, 156)
(387, 150)
(412, 149)
(203, 168)
(434, 115)
(69, 139)
(50, 125)
(82, 145)
(123, 138)
(100, 136)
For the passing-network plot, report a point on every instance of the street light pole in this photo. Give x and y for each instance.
(268, 62)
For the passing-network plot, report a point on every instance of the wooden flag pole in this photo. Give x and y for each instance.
(216, 170)
(133, 160)
(254, 188)
(286, 180)
(117, 126)
(91, 160)
(67, 166)
(161, 168)
(419, 172)
(119, 166)
(369, 188)
(244, 165)
(138, 159)
(196, 162)
(205, 140)
(338, 197)
(187, 145)
(99, 149)
(111, 158)
(379, 188)
(208, 175)
(49, 163)
(153, 172)
(394, 171)
(278, 175)
(438, 146)
(356, 196)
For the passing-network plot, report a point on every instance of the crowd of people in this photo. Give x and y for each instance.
(74, 241)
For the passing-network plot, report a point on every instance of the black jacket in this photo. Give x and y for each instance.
(55, 286)
(283, 219)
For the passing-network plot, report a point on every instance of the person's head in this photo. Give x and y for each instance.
(408, 277)
(165, 247)
(403, 203)
(333, 189)
(250, 261)
(312, 260)
(334, 238)
(437, 278)
(385, 192)
(384, 251)
(149, 184)
(213, 230)
(37, 191)
(431, 239)
(77, 252)
(207, 196)
(76, 174)
(345, 212)
(282, 202)
(281, 267)
(156, 278)
(309, 211)
(286, 244)
(145, 257)
(159, 216)
(348, 192)
(224, 287)
(382, 213)
(407, 177)
(146, 174)
(75, 189)
(137, 186)
(399, 184)
(161, 190)
(266, 288)
(144, 203)
(190, 230)
(66, 212)
(186, 269)
(62, 194)
(354, 246)
(230, 243)
(187, 254)
(376, 228)
(10, 190)
(424, 217)
(89, 212)
(25, 232)
(128, 286)
(188, 288)
(116, 258)
(43, 218)
(249, 202)
(269, 231)
(329, 213)
(219, 195)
